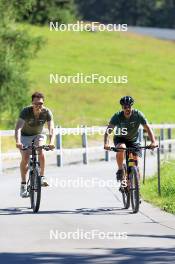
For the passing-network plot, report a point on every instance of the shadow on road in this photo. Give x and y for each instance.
(15, 210)
(123, 255)
(152, 236)
(84, 211)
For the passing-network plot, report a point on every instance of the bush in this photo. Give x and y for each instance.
(16, 48)
(43, 11)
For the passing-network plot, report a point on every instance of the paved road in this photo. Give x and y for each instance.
(166, 34)
(34, 238)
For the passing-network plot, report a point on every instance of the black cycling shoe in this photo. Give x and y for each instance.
(121, 189)
(119, 175)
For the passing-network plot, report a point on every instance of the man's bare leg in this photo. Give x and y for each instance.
(24, 165)
(24, 169)
(120, 156)
(120, 159)
(41, 158)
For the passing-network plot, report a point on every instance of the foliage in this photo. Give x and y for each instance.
(43, 11)
(155, 13)
(16, 48)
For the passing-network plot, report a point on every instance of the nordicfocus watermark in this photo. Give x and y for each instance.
(91, 131)
(80, 182)
(80, 26)
(81, 234)
(81, 78)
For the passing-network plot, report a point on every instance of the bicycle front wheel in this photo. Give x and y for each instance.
(125, 191)
(35, 192)
(134, 189)
(126, 199)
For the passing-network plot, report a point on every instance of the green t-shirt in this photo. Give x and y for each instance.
(34, 126)
(128, 128)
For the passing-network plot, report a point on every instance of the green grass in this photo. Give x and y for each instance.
(149, 64)
(167, 199)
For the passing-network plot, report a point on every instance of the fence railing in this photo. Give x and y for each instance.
(164, 133)
(163, 130)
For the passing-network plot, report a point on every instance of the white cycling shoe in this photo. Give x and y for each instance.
(23, 190)
(44, 182)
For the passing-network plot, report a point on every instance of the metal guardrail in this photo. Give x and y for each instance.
(84, 132)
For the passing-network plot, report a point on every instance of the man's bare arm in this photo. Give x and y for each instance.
(108, 131)
(19, 125)
(150, 134)
(51, 129)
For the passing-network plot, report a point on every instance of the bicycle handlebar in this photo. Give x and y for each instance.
(132, 148)
(45, 147)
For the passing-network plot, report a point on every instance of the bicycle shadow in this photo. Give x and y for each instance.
(127, 255)
(15, 210)
(83, 211)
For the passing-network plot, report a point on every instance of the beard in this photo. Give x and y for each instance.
(127, 113)
(37, 110)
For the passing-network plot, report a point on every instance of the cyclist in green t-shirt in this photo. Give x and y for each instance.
(30, 126)
(127, 122)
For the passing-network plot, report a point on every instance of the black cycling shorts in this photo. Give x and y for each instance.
(129, 144)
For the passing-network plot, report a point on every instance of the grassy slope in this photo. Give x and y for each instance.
(167, 199)
(149, 64)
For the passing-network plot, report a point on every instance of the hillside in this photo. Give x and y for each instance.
(148, 63)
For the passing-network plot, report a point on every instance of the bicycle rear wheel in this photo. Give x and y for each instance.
(134, 189)
(125, 191)
(35, 190)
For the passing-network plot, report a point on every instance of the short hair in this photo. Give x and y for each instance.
(37, 95)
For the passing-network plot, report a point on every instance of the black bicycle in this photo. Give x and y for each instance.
(34, 180)
(130, 188)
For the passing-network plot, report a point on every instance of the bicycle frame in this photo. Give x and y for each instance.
(130, 184)
(34, 155)
(130, 161)
(34, 180)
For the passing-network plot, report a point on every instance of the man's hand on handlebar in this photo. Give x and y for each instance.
(19, 145)
(107, 147)
(153, 145)
(51, 146)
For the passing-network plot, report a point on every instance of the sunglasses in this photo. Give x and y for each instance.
(38, 104)
(126, 107)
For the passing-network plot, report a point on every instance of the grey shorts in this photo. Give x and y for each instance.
(40, 139)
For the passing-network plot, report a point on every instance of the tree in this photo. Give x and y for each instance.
(155, 13)
(165, 13)
(16, 48)
(43, 11)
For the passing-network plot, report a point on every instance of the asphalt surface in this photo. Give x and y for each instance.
(58, 233)
(160, 33)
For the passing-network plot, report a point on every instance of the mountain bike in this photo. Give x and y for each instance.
(130, 187)
(34, 179)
